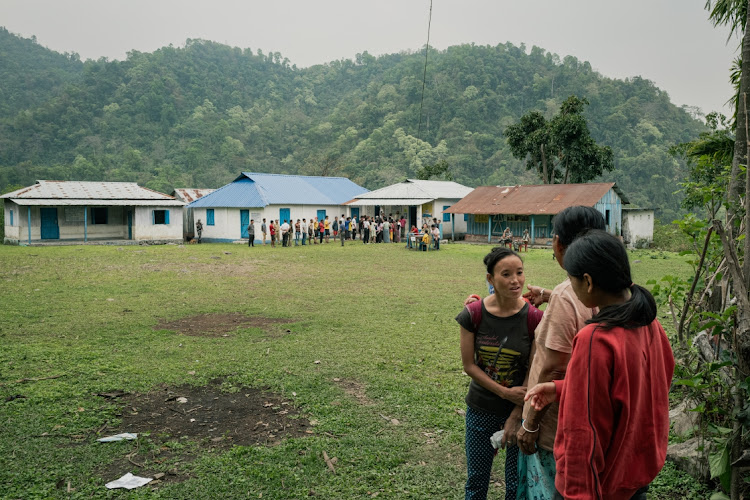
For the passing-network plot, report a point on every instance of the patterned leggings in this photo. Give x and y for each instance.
(480, 427)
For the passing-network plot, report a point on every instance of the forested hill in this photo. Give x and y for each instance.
(198, 115)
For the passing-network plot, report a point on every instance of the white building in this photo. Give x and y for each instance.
(638, 227)
(226, 212)
(420, 200)
(72, 211)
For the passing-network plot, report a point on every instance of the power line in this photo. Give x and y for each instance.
(424, 75)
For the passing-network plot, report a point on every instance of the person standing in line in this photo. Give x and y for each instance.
(321, 230)
(264, 231)
(345, 236)
(335, 226)
(199, 230)
(365, 230)
(353, 227)
(296, 233)
(327, 229)
(386, 231)
(613, 427)
(285, 233)
(272, 232)
(303, 229)
(403, 226)
(436, 237)
(251, 233)
(316, 231)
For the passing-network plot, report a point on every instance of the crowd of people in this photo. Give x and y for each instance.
(594, 423)
(367, 229)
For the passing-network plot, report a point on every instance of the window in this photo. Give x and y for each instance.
(466, 217)
(209, 216)
(606, 217)
(99, 215)
(446, 217)
(11, 217)
(160, 216)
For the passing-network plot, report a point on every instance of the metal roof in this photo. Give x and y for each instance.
(96, 203)
(546, 199)
(368, 202)
(83, 190)
(189, 195)
(259, 190)
(414, 190)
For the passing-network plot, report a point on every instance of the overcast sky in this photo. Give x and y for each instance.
(670, 42)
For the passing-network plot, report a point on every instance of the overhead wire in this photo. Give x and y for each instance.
(424, 75)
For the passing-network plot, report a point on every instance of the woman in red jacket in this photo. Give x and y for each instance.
(613, 425)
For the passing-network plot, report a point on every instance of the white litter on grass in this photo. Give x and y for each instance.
(496, 439)
(119, 437)
(181, 400)
(128, 481)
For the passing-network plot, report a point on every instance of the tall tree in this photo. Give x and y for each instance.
(561, 149)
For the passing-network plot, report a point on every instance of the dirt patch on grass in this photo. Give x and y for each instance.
(215, 325)
(184, 422)
(354, 389)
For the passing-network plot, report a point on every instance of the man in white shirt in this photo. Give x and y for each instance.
(303, 229)
(285, 234)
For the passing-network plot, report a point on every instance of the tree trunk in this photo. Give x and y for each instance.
(544, 165)
(740, 142)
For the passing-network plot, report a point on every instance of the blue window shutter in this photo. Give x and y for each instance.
(209, 216)
(466, 217)
(153, 216)
(446, 217)
(166, 217)
(11, 217)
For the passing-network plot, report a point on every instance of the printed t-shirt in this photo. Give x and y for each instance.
(564, 317)
(327, 224)
(501, 350)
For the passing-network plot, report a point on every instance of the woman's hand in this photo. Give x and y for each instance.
(527, 440)
(512, 424)
(515, 395)
(535, 295)
(541, 395)
(471, 298)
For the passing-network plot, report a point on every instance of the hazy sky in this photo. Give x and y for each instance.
(670, 42)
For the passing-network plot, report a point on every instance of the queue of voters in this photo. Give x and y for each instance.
(366, 229)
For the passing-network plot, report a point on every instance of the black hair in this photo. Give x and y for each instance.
(496, 255)
(571, 221)
(604, 258)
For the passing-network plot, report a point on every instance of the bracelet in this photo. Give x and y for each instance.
(523, 424)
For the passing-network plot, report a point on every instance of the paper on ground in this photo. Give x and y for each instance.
(119, 437)
(128, 481)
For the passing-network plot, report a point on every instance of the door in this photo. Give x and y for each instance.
(321, 215)
(50, 229)
(284, 215)
(355, 212)
(244, 222)
(413, 217)
(130, 224)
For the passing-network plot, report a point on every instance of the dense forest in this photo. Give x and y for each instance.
(195, 116)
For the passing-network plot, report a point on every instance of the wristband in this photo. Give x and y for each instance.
(523, 424)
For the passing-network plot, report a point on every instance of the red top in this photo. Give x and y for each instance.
(614, 412)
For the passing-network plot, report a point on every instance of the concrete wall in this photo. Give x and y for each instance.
(637, 225)
(227, 225)
(145, 230)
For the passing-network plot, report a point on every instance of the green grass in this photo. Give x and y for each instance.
(375, 314)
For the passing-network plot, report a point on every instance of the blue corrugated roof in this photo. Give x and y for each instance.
(258, 190)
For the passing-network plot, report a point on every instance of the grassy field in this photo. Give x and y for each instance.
(369, 357)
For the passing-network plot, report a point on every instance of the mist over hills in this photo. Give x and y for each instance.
(196, 116)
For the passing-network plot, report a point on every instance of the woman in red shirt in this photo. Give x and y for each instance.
(611, 439)
(272, 231)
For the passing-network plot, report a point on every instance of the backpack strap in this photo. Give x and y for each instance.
(533, 318)
(475, 309)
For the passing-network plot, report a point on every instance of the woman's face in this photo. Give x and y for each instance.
(508, 277)
(582, 288)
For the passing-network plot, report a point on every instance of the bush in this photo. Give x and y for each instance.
(669, 237)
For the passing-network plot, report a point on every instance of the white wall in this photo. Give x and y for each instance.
(144, 229)
(637, 225)
(227, 220)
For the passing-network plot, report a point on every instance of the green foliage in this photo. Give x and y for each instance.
(439, 171)
(195, 115)
(670, 237)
